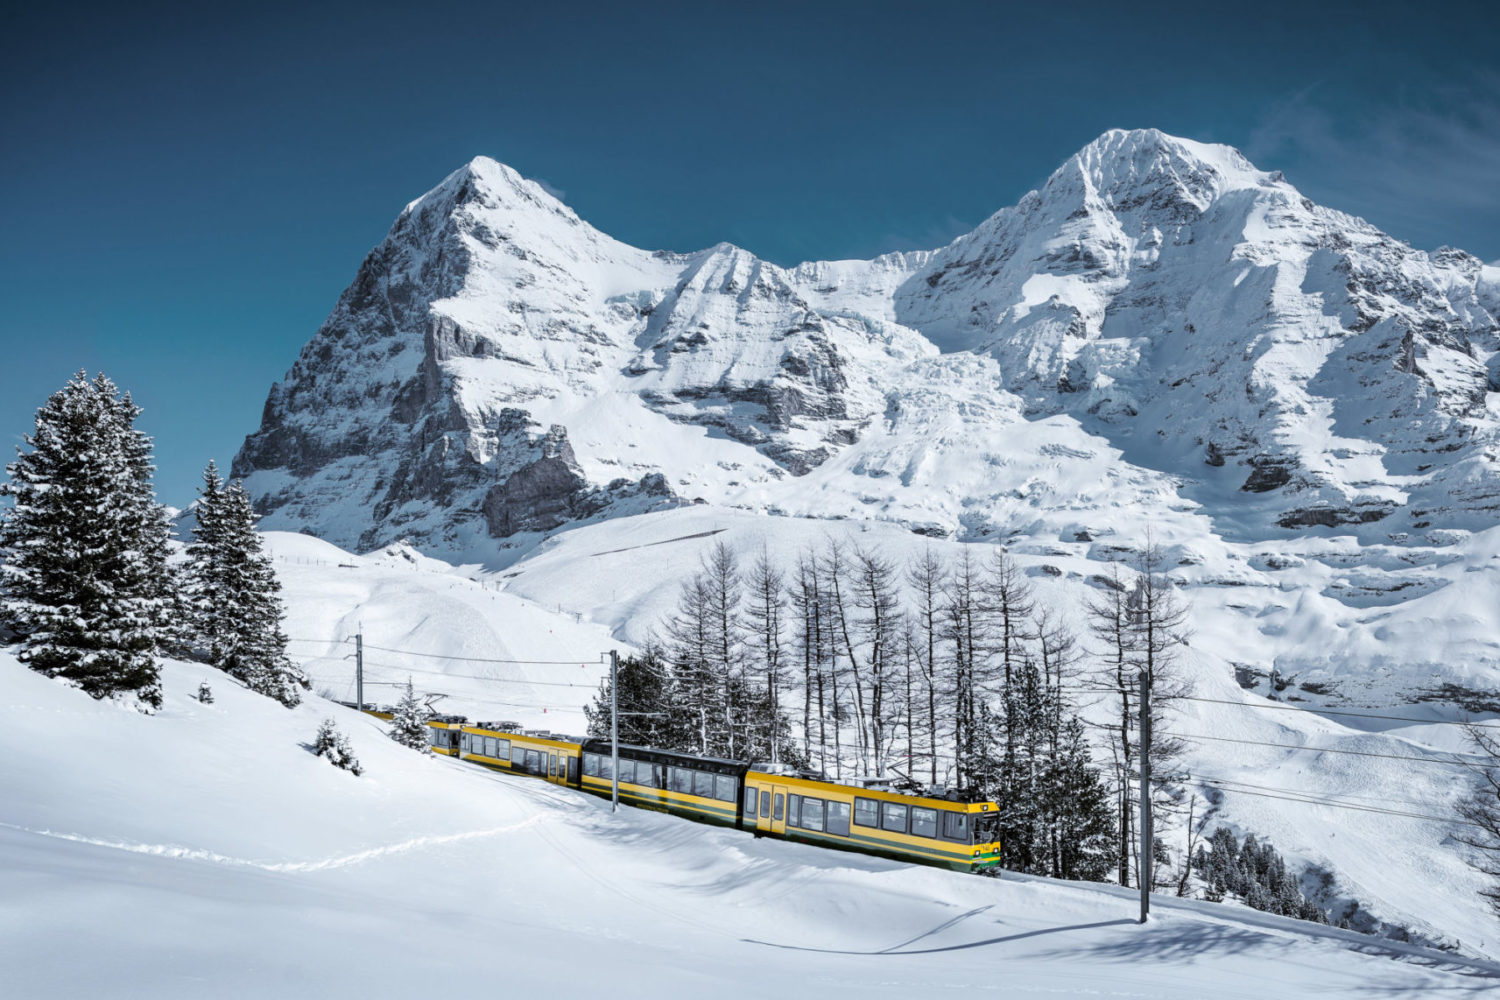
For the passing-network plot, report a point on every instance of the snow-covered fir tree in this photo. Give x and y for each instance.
(235, 596)
(83, 546)
(154, 532)
(334, 745)
(409, 723)
(205, 693)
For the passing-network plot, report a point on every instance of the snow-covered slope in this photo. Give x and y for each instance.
(1252, 763)
(204, 851)
(450, 630)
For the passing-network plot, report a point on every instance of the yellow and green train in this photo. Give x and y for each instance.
(953, 834)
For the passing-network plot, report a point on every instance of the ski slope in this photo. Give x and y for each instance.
(205, 851)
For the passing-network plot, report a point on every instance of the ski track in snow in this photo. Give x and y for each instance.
(181, 853)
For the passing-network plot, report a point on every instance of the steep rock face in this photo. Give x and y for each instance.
(1160, 324)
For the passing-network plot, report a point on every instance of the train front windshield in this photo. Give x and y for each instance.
(986, 828)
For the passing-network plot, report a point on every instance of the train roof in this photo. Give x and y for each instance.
(719, 765)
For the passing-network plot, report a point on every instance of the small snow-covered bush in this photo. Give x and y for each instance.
(205, 693)
(335, 746)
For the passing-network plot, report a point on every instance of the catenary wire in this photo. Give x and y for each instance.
(444, 656)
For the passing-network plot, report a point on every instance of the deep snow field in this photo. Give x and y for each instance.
(206, 852)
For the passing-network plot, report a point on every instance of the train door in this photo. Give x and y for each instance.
(552, 767)
(779, 795)
(762, 810)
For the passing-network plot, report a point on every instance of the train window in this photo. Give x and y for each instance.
(866, 812)
(812, 814)
(751, 797)
(893, 817)
(680, 779)
(606, 768)
(777, 814)
(723, 788)
(956, 826)
(923, 822)
(433, 737)
(591, 765)
(502, 749)
(573, 770)
(703, 784)
(794, 810)
(627, 771)
(838, 818)
(645, 774)
(765, 805)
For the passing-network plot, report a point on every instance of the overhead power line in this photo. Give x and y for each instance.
(445, 656)
(476, 677)
(1353, 753)
(1336, 711)
(1291, 795)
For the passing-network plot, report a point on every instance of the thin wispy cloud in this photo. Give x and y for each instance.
(1426, 169)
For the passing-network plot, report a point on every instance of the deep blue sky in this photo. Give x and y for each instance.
(188, 189)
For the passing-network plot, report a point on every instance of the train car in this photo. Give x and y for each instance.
(555, 760)
(958, 835)
(444, 737)
(701, 788)
(933, 831)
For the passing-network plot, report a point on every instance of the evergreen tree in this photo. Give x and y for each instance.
(83, 546)
(205, 693)
(650, 714)
(334, 745)
(409, 723)
(1080, 809)
(1256, 873)
(153, 530)
(235, 595)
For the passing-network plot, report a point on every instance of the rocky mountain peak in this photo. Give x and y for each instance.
(1161, 299)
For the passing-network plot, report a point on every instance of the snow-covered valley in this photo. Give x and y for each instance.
(205, 851)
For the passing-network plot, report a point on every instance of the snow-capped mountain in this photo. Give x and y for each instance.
(1162, 338)
(498, 366)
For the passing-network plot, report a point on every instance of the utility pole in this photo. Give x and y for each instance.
(614, 730)
(359, 670)
(1147, 840)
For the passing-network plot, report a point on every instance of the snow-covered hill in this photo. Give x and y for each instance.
(204, 851)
